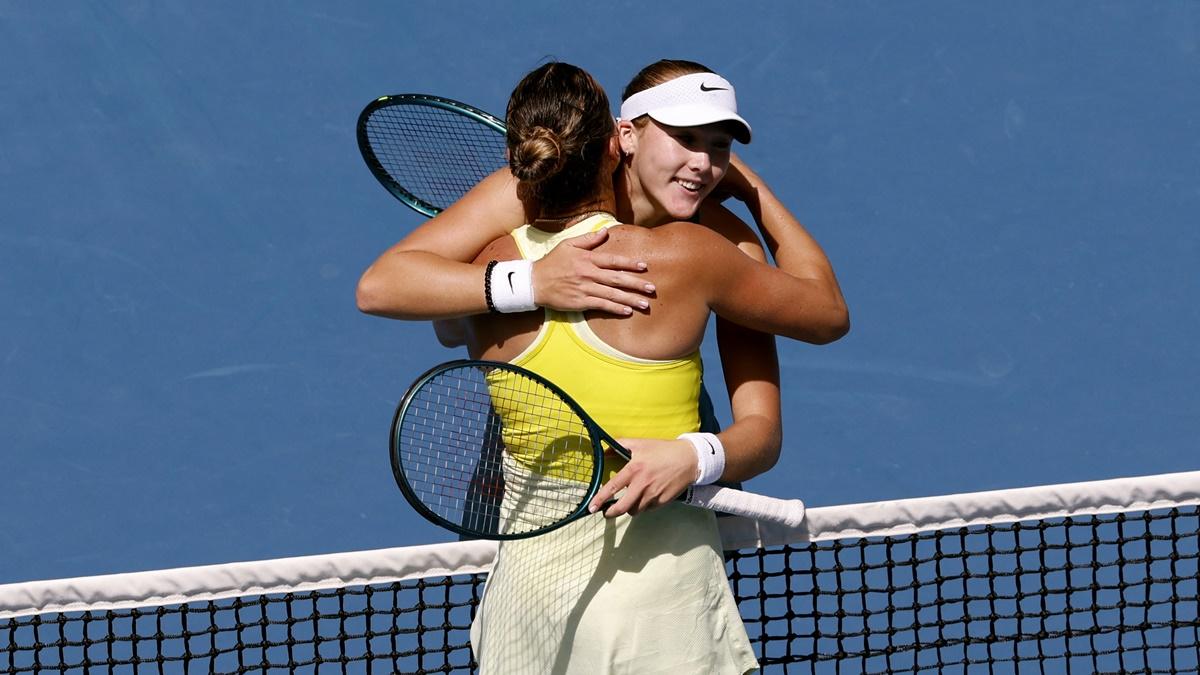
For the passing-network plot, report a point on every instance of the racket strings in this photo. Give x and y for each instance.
(435, 154)
(494, 452)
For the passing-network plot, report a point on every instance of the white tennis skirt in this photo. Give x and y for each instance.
(644, 594)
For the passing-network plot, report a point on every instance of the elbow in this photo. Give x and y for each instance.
(450, 332)
(771, 456)
(368, 296)
(834, 328)
(820, 329)
(768, 455)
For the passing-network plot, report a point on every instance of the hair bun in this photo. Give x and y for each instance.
(538, 155)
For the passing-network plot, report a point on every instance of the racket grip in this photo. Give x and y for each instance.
(788, 512)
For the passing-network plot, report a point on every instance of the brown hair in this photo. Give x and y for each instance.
(659, 72)
(559, 126)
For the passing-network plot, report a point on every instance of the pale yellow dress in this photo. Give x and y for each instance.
(637, 595)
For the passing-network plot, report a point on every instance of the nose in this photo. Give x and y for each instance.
(700, 162)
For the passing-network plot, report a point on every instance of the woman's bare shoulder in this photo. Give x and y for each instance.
(680, 242)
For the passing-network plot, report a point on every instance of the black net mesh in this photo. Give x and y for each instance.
(1091, 594)
(406, 627)
(1094, 594)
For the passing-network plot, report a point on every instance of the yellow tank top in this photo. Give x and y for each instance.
(628, 396)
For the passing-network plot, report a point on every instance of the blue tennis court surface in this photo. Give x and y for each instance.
(1008, 193)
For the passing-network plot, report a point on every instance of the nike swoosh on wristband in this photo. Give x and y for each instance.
(712, 450)
(510, 286)
(704, 88)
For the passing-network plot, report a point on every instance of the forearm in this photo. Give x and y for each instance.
(794, 250)
(418, 285)
(428, 274)
(751, 368)
(765, 297)
(752, 445)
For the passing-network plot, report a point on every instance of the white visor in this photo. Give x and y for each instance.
(689, 101)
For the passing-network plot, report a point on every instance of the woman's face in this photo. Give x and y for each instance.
(672, 169)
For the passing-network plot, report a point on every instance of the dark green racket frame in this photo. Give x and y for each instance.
(381, 174)
(597, 436)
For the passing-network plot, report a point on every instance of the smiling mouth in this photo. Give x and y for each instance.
(688, 185)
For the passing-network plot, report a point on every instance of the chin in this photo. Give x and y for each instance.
(682, 209)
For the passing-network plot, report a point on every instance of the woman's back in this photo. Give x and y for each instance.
(672, 327)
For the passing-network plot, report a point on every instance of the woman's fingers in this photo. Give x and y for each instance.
(612, 261)
(618, 482)
(602, 260)
(738, 182)
(572, 277)
(588, 241)
(631, 499)
(657, 472)
(621, 280)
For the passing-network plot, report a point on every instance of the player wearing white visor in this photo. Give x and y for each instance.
(677, 125)
(689, 101)
(675, 137)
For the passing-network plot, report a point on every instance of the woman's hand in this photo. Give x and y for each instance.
(739, 182)
(574, 278)
(658, 471)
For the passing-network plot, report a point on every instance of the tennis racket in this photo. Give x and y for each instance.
(495, 451)
(429, 151)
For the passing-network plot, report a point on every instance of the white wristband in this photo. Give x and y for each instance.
(710, 457)
(511, 286)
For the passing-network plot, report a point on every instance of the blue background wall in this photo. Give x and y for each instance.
(1008, 191)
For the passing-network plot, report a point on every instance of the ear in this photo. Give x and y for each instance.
(614, 149)
(627, 136)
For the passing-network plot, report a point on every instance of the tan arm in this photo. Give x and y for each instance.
(795, 251)
(428, 274)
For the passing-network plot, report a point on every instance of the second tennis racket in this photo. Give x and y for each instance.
(495, 451)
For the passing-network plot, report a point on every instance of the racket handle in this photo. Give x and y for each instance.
(788, 512)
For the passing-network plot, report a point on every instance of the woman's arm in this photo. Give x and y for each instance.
(749, 292)
(794, 249)
(750, 365)
(428, 274)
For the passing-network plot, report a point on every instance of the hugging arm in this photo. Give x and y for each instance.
(428, 274)
(794, 249)
(755, 294)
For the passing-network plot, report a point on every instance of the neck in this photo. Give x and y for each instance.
(560, 219)
(560, 223)
(631, 202)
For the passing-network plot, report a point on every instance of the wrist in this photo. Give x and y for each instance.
(710, 457)
(508, 286)
(533, 282)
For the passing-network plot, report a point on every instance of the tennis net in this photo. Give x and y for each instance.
(1084, 577)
